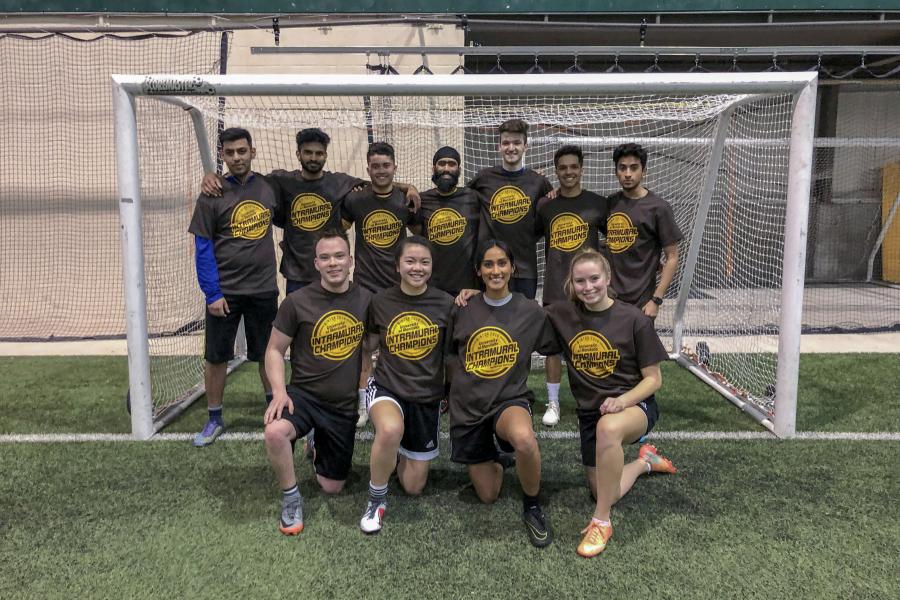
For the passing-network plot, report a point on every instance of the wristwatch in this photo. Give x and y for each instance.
(657, 300)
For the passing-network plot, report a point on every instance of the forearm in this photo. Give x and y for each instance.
(275, 371)
(643, 390)
(667, 275)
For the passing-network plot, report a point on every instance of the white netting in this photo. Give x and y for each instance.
(735, 297)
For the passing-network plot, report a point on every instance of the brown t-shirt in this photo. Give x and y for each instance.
(636, 232)
(412, 337)
(310, 206)
(507, 212)
(493, 346)
(605, 350)
(567, 224)
(240, 227)
(328, 331)
(451, 224)
(380, 222)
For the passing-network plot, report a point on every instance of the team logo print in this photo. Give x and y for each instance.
(411, 335)
(336, 335)
(381, 228)
(509, 205)
(310, 211)
(620, 232)
(593, 355)
(567, 232)
(250, 220)
(490, 353)
(446, 226)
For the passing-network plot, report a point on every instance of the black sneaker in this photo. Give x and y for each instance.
(538, 527)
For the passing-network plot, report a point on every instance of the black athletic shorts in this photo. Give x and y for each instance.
(258, 312)
(480, 443)
(421, 422)
(335, 432)
(587, 426)
(526, 287)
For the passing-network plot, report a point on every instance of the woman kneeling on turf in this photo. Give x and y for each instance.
(408, 322)
(612, 355)
(493, 337)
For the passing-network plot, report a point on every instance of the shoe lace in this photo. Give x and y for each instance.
(593, 533)
(372, 509)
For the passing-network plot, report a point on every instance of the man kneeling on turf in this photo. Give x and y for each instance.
(323, 324)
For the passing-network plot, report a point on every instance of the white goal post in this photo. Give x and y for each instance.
(660, 92)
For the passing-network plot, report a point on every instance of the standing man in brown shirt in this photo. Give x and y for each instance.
(640, 227)
(235, 259)
(508, 194)
(324, 325)
(569, 221)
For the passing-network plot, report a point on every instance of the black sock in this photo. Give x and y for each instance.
(530, 502)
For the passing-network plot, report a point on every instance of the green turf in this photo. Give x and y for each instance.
(750, 519)
(840, 392)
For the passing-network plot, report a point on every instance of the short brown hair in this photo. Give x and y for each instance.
(331, 234)
(514, 126)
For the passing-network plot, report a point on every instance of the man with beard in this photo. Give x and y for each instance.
(449, 219)
(311, 200)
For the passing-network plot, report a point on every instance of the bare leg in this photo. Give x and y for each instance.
(267, 387)
(413, 475)
(612, 431)
(487, 478)
(214, 380)
(514, 426)
(388, 421)
(278, 436)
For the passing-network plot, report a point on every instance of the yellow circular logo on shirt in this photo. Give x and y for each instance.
(381, 228)
(593, 355)
(490, 353)
(310, 212)
(250, 220)
(568, 232)
(509, 205)
(446, 226)
(411, 335)
(620, 232)
(336, 335)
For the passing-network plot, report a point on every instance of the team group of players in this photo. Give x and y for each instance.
(450, 311)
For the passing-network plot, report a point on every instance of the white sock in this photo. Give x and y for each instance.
(600, 522)
(553, 393)
(362, 397)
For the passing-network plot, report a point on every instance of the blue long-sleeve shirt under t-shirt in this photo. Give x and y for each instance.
(207, 271)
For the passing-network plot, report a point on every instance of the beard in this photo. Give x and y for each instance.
(445, 182)
(312, 166)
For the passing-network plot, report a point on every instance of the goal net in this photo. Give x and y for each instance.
(730, 152)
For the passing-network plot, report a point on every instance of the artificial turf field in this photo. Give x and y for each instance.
(757, 518)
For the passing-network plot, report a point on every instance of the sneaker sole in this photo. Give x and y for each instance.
(295, 530)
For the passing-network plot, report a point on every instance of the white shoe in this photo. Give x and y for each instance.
(551, 417)
(372, 517)
(363, 417)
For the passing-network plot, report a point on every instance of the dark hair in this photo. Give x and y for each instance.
(328, 234)
(382, 148)
(630, 149)
(567, 150)
(233, 134)
(312, 135)
(514, 126)
(486, 245)
(413, 240)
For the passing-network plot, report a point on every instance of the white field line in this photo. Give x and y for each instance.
(65, 438)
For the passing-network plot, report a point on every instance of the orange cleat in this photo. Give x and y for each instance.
(658, 464)
(595, 538)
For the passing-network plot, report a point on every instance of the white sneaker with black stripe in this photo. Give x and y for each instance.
(372, 517)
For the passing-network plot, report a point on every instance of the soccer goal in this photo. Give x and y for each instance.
(731, 153)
